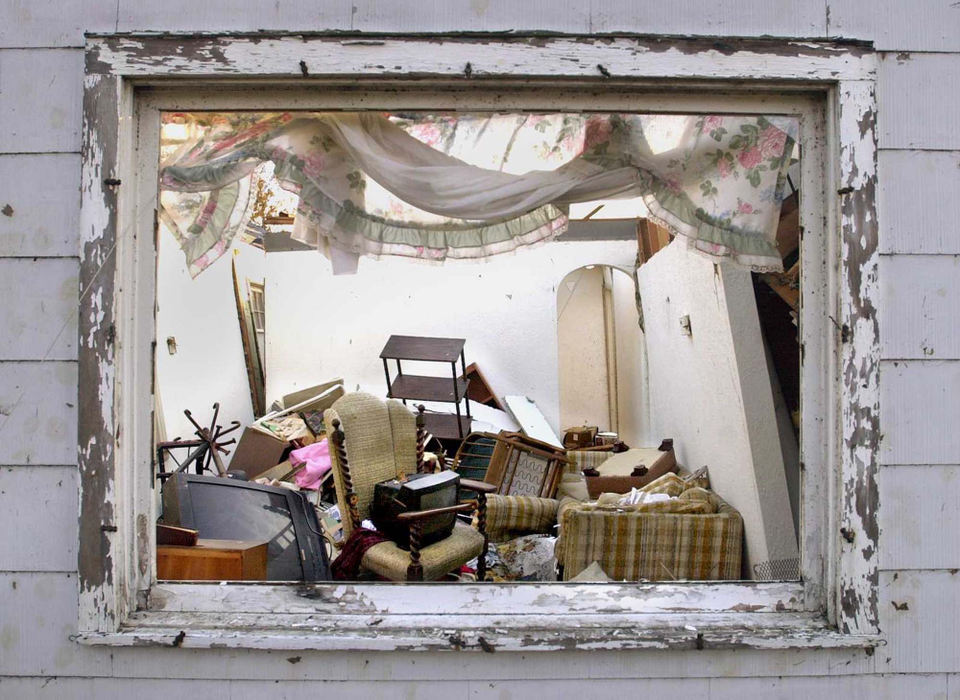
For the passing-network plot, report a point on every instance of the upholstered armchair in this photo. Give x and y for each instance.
(374, 441)
(484, 456)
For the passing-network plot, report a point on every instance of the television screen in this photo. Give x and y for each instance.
(417, 492)
(229, 509)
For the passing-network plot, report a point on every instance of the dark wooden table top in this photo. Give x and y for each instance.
(414, 347)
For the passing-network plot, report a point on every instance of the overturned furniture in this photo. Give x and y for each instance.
(525, 473)
(375, 441)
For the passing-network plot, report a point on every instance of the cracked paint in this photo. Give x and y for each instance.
(346, 618)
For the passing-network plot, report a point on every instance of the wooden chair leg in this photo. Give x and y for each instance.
(421, 439)
(415, 570)
(482, 528)
(349, 495)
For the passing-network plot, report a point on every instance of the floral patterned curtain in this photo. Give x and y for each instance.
(470, 185)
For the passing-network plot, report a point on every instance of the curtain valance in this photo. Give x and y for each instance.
(468, 186)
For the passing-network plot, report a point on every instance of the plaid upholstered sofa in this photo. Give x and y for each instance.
(696, 536)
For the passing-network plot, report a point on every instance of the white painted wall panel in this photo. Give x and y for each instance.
(918, 314)
(208, 366)
(507, 315)
(38, 415)
(43, 193)
(38, 516)
(918, 618)
(26, 23)
(42, 100)
(920, 517)
(710, 391)
(228, 15)
(919, 209)
(918, 402)
(919, 106)
(40, 323)
(38, 613)
(893, 25)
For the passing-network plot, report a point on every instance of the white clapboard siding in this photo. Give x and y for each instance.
(921, 299)
(923, 25)
(877, 687)
(225, 16)
(886, 687)
(919, 207)
(43, 197)
(42, 323)
(921, 413)
(727, 17)
(918, 103)
(38, 413)
(41, 93)
(33, 23)
(42, 100)
(165, 689)
(920, 517)
(38, 614)
(402, 666)
(918, 616)
(38, 516)
(599, 688)
(413, 16)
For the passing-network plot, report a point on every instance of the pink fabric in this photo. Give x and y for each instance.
(317, 458)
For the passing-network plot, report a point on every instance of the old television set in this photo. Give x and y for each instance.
(231, 509)
(416, 492)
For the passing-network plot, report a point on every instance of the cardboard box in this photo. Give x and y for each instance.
(257, 452)
(323, 396)
(580, 437)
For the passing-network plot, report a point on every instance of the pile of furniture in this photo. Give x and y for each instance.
(694, 535)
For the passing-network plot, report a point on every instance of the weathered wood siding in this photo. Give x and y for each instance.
(41, 70)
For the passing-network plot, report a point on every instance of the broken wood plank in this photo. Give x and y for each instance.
(786, 285)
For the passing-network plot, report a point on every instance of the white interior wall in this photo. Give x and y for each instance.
(633, 405)
(321, 326)
(710, 391)
(583, 360)
(582, 350)
(201, 314)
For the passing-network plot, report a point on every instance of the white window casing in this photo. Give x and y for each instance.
(828, 87)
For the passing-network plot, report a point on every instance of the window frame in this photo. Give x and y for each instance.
(830, 86)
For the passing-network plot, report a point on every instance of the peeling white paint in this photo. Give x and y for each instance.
(120, 479)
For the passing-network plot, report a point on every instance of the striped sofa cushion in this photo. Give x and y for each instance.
(510, 516)
(643, 544)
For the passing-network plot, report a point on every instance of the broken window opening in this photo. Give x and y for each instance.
(490, 305)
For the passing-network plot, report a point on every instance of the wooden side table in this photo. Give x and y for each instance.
(425, 388)
(213, 560)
